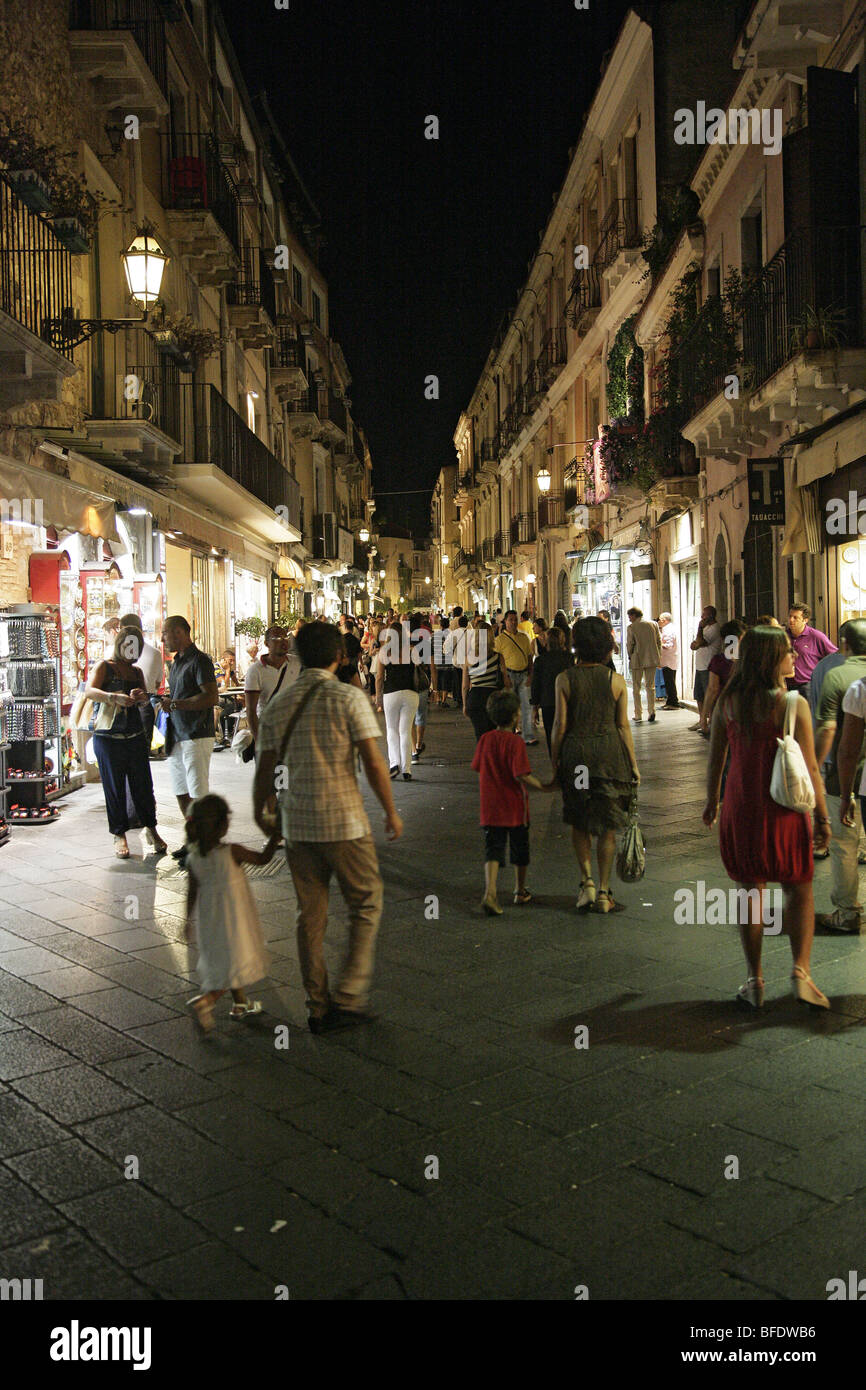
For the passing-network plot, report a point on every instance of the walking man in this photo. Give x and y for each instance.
(831, 726)
(274, 670)
(644, 649)
(516, 649)
(670, 660)
(309, 737)
(189, 703)
(707, 644)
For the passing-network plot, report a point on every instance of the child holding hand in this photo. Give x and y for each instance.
(231, 946)
(502, 763)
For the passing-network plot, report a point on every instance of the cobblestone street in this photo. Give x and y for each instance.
(307, 1168)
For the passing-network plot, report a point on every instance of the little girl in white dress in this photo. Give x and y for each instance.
(230, 943)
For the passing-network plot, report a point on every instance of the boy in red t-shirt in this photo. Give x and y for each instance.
(503, 764)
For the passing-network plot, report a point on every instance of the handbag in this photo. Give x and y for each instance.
(790, 783)
(631, 856)
(420, 679)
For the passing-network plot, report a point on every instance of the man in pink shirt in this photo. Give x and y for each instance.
(810, 646)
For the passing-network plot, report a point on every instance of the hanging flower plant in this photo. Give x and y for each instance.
(250, 627)
(180, 336)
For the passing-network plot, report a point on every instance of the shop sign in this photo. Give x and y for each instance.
(767, 491)
(275, 595)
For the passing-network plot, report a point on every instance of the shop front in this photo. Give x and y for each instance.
(839, 527)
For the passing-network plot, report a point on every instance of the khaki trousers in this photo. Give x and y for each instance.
(647, 674)
(356, 867)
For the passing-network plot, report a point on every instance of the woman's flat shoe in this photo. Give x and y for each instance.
(121, 848)
(202, 1012)
(806, 991)
(752, 993)
(587, 896)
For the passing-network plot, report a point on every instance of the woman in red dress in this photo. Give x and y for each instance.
(760, 841)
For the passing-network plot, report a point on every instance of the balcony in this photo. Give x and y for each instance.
(488, 556)
(502, 545)
(789, 37)
(524, 529)
(333, 546)
(333, 417)
(35, 285)
(489, 456)
(551, 511)
(584, 301)
(620, 238)
(202, 207)
(462, 560)
(552, 356)
(136, 421)
(288, 366)
(302, 415)
(120, 46)
(251, 300)
(226, 466)
(464, 483)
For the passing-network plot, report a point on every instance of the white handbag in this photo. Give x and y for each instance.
(790, 784)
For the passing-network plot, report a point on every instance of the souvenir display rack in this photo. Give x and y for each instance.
(6, 702)
(30, 681)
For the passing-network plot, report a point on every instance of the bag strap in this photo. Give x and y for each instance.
(283, 669)
(296, 714)
(790, 712)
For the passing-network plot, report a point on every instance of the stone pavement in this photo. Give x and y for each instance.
(307, 1168)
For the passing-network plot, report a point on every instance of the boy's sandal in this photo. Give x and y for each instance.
(253, 1006)
(522, 897)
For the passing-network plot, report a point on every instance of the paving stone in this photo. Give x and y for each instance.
(122, 1009)
(741, 1215)
(244, 1130)
(85, 950)
(495, 1264)
(23, 1127)
(160, 1081)
(134, 939)
(26, 925)
(81, 1035)
(145, 979)
(176, 1038)
(74, 1093)
(798, 1264)
(25, 1214)
(698, 1165)
(24, 1052)
(18, 998)
(72, 1268)
(133, 1225)
(64, 1170)
(70, 981)
(210, 1271)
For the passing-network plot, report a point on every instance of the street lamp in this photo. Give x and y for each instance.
(543, 480)
(530, 578)
(363, 535)
(381, 574)
(445, 559)
(144, 263)
(426, 579)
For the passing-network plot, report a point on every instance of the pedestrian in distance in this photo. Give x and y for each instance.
(809, 646)
(309, 739)
(722, 666)
(515, 647)
(483, 671)
(502, 764)
(550, 662)
(189, 703)
(840, 750)
(644, 649)
(274, 670)
(761, 841)
(231, 948)
(707, 644)
(397, 695)
(593, 759)
(670, 660)
(152, 667)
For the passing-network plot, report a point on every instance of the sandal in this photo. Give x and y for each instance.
(202, 1012)
(586, 901)
(605, 902)
(155, 840)
(806, 991)
(121, 848)
(524, 896)
(252, 1006)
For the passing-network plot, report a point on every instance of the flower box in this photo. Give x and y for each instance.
(167, 343)
(31, 188)
(71, 234)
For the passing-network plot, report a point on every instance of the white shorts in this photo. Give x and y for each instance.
(188, 765)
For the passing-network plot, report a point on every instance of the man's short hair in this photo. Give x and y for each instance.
(509, 611)
(176, 620)
(632, 613)
(800, 608)
(457, 610)
(131, 620)
(669, 617)
(854, 633)
(524, 617)
(274, 631)
(708, 608)
(319, 645)
(502, 706)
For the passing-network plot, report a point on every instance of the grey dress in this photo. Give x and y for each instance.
(593, 742)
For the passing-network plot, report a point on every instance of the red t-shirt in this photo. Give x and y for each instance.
(501, 758)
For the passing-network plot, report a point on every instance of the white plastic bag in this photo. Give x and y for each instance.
(790, 784)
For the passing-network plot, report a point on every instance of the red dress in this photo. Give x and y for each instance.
(760, 841)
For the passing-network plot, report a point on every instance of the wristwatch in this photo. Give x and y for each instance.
(173, 704)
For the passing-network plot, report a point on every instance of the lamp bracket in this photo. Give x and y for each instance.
(71, 331)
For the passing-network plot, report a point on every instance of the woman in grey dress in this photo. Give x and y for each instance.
(593, 757)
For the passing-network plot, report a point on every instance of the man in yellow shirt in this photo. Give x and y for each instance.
(516, 649)
(525, 625)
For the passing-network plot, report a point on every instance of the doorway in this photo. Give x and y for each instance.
(687, 619)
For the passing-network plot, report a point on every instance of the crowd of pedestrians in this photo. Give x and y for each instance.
(310, 700)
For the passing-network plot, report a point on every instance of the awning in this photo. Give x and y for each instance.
(830, 452)
(63, 504)
(601, 562)
(289, 569)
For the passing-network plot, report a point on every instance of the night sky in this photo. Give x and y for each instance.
(427, 242)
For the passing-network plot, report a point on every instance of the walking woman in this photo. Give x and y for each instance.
(119, 743)
(551, 660)
(483, 672)
(397, 696)
(760, 841)
(593, 756)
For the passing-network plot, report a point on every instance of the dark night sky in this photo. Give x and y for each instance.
(427, 242)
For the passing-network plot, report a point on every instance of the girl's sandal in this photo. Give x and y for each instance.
(202, 1012)
(239, 1011)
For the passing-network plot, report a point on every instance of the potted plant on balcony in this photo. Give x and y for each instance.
(181, 338)
(26, 166)
(818, 328)
(74, 212)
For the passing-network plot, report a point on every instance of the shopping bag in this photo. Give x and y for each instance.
(631, 856)
(790, 783)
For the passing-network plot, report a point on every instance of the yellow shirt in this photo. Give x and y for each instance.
(516, 648)
(527, 628)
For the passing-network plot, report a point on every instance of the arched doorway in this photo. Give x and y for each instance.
(720, 578)
(563, 593)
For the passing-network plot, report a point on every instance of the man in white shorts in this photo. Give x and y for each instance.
(189, 704)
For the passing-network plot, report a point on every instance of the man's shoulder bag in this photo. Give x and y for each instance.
(248, 751)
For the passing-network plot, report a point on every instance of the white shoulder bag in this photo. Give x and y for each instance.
(790, 784)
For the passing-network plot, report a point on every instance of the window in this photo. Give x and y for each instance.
(714, 280)
(317, 309)
(297, 286)
(752, 239)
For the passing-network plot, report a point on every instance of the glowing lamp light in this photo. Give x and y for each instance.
(543, 480)
(363, 535)
(144, 262)
(445, 559)
(518, 583)
(530, 579)
(381, 574)
(426, 579)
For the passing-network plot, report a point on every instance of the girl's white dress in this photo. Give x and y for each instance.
(231, 951)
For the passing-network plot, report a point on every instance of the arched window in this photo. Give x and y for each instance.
(563, 592)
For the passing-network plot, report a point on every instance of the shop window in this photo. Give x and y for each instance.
(852, 580)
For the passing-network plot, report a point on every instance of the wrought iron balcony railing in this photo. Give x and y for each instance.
(289, 349)
(502, 545)
(254, 286)
(35, 270)
(143, 19)
(553, 353)
(487, 550)
(196, 179)
(214, 433)
(585, 294)
(551, 510)
(620, 230)
(524, 528)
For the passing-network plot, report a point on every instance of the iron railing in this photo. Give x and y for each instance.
(131, 380)
(307, 403)
(254, 286)
(585, 293)
(35, 269)
(487, 550)
(142, 18)
(551, 510)
(813, 270)
(195, 178)
(619, 230)
(214, 433)
(333, 409)
(489, 452)
(289, 349)
(524, 528)
(553, 353)
(502, 545)
(461, 558)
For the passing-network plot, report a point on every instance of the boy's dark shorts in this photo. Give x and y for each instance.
(495, 839)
